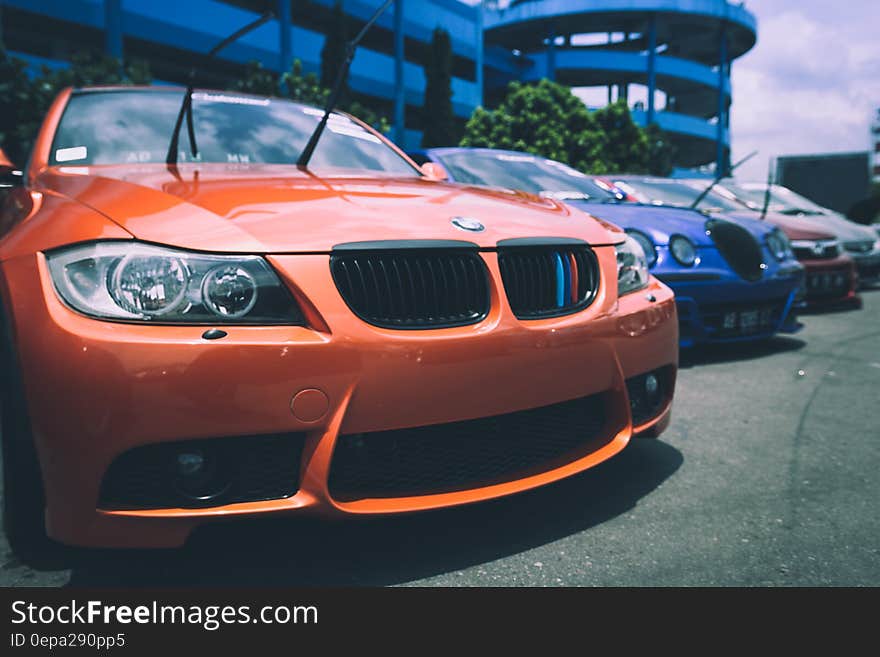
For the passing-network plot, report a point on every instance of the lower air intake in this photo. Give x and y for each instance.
(459, 456)
(203, 473)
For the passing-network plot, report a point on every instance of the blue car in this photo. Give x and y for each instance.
(735, 279)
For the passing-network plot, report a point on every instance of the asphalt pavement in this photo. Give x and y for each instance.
(768, 475)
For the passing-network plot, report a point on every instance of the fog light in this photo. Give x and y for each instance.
(190, 464)
(201, 476)
(652, 386)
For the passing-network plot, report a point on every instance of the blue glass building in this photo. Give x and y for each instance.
(670, 59)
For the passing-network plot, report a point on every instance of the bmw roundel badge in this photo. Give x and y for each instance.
(466, 223)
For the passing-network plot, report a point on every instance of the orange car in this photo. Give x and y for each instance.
(232, 335)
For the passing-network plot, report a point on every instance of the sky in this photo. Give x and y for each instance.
(811, 84)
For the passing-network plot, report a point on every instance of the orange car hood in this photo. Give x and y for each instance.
(281, 209)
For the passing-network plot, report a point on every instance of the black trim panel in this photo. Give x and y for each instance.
(405, 245)
(517, 242)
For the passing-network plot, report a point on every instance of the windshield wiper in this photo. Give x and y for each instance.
(309, 150)
(186, 106)
(794, 212)
(720, 175)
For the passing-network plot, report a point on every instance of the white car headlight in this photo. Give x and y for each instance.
(632, 267)
(130, 281)
(647, 245)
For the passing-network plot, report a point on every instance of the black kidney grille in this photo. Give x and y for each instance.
(462, 455)
(738, 247)
(547, 281)
(420, 288)
(245, 469)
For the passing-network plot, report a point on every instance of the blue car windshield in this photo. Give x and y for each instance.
(679, 193)
(529, 173)
(662, 191)
(135, 126)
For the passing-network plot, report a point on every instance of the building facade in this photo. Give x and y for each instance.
(670, 59)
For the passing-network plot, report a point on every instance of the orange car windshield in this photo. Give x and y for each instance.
(135, 126)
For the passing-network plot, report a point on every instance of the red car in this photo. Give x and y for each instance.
(831, 275)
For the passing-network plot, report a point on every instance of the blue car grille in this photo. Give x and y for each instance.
(547, 280)
(738, 247)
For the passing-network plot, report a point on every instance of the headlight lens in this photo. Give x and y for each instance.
(683, 250)
(646, 244)
(779, 245)
(632, 267)
(130, 281)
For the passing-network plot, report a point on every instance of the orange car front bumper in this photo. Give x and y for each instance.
(98, 389)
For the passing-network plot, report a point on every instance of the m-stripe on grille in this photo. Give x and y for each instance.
(545, 279)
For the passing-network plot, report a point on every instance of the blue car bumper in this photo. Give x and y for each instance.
(713, 310)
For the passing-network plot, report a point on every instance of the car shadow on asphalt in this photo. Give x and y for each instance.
(386, 551)
(737, 351)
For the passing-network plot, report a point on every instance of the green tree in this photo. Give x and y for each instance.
(333, 52)
(545, 119)
(24, 101)
(626, 147)
(438, 119)
(256, 80)
(304, 88)
(18, 123)
(661, 152)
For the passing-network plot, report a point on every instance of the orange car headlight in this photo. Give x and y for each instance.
(131, 281)
(632, 266)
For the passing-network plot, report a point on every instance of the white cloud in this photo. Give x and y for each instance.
(810, 85)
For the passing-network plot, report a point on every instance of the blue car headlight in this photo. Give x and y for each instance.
(632, 267)
(779, 245)
(135, 282)
(683, 250)
(647, 246)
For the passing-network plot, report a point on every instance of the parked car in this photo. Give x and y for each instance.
(734, 279)
(234, 335)
(860, 242)
(831, 275)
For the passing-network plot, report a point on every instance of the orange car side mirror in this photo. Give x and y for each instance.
(5, 162)
(434, 171)
(9, 176)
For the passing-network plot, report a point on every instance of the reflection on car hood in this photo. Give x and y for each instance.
(832, 224)
(661, 221)
(282, 209)
(796, 228)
